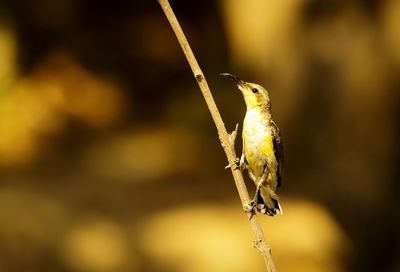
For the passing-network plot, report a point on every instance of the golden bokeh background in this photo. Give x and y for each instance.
(109, 160)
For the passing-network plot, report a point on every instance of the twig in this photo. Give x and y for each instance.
(227, 140)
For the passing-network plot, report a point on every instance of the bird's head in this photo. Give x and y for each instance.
(255, 96)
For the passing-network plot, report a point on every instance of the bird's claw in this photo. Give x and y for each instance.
(235, 165)
(250, 208)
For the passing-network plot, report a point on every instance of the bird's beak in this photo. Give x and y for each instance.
(237, 80)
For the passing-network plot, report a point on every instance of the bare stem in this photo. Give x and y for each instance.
(227, 140)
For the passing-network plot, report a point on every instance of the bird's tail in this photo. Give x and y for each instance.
(268, 202)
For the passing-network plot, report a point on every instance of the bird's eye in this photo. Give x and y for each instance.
(255, 90)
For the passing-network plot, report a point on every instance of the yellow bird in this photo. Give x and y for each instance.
(262, 152)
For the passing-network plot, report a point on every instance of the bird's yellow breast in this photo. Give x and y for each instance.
(258, 145)
(257, 142)
(267, 147)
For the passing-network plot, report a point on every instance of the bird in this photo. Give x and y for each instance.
(262, 152)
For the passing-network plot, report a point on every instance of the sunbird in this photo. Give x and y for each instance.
(262, 153)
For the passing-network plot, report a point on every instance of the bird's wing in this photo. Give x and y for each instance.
(278, 150)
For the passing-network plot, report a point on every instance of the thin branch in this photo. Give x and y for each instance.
(227, 140)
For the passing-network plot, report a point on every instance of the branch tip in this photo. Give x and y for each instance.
(233, 134)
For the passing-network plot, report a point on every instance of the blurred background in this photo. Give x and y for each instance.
(109, 159)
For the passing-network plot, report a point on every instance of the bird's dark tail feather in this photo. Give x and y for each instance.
(269, 207)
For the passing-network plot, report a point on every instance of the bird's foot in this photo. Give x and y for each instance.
(250, 208)
(235, 165)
